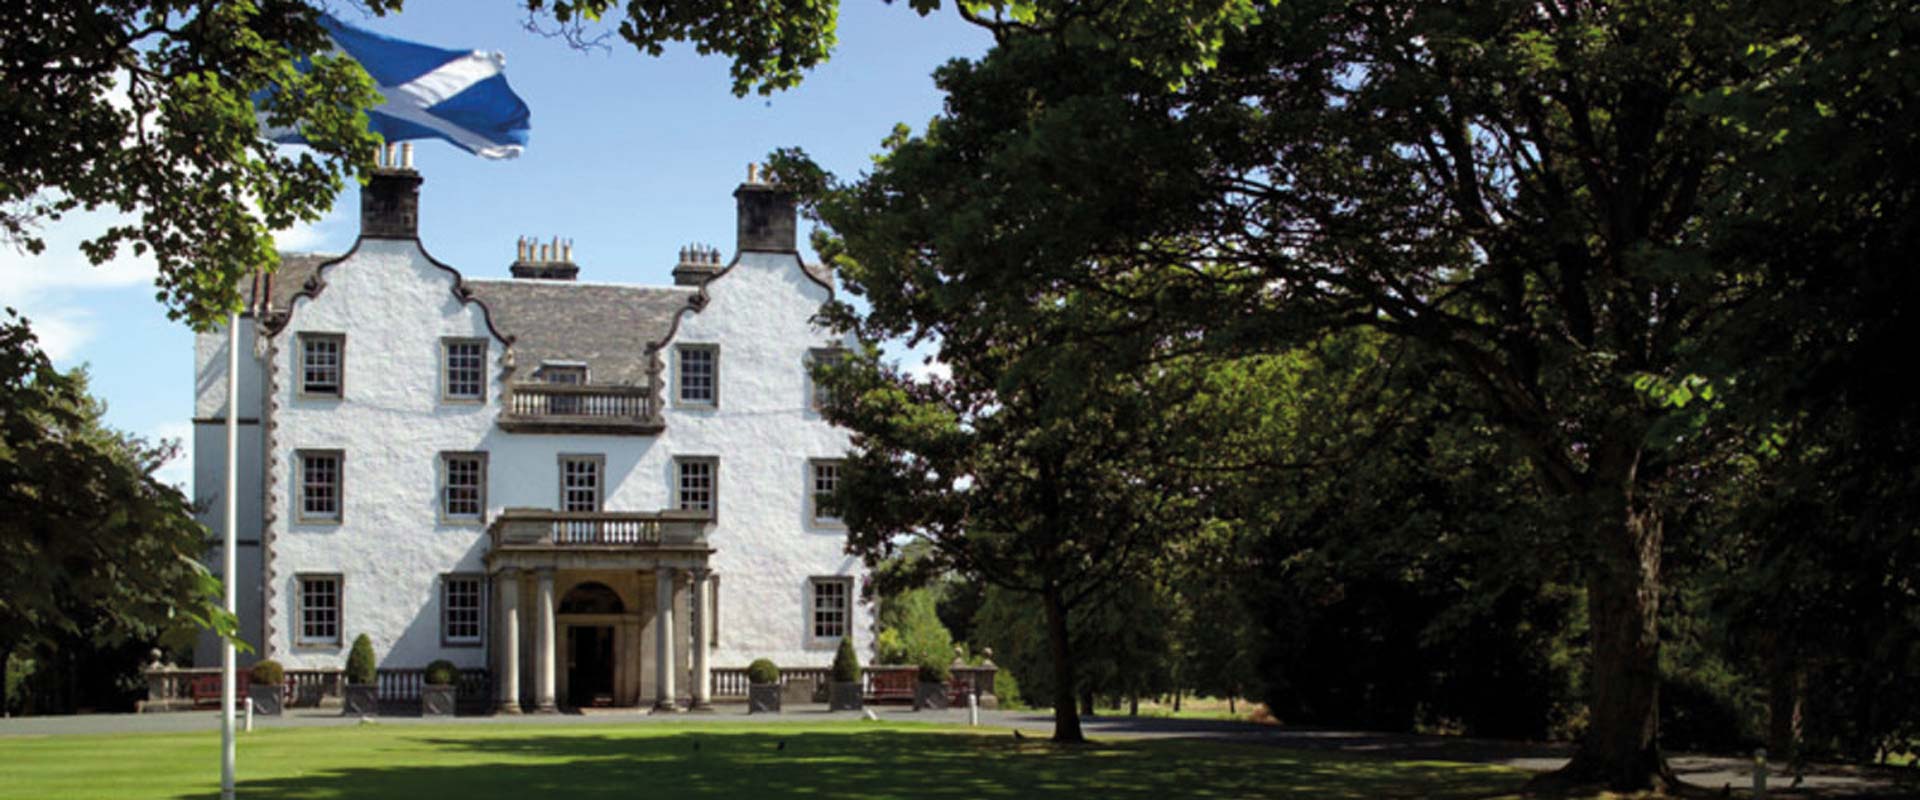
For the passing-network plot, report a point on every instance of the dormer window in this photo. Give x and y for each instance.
(699, 375)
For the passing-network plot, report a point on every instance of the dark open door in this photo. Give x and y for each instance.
(590, 670)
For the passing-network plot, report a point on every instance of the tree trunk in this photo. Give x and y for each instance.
(1785, 691)
(1133, 704)
(1176, 701)
(1621, 749)
(1230, 696)
(1066, 717)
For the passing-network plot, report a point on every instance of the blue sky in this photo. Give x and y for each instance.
(631, 157)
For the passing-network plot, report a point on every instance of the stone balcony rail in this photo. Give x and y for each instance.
(542, 529)
(580, 408)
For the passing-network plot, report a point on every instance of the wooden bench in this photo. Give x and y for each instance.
(205, 689)
(891, 686)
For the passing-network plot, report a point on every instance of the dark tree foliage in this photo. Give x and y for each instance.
(99, 561)
(1539, 196)
(147, 107)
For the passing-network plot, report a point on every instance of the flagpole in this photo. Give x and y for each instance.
(228, 569)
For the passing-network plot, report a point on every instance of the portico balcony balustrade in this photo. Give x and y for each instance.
(542, 529)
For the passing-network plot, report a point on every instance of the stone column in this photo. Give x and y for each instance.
(543, 647)
(663, 639)
(702, 635)
(507, 646)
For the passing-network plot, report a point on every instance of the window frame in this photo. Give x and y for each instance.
(479, 638)
(444, 484)
(818, 396)
(339, 341)
(680, 463)
(814, 516)
(813, 609)
(599, 461)
(300, 609)
(301, 514)
(446, 370)
(680, 376)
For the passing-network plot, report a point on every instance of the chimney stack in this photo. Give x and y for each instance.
(766, 216)
(551, 261)
(390, 200)
(698, 262)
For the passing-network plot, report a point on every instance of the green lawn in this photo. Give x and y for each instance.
(853, 759)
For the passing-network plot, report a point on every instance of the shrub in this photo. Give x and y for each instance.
(268, 672)
(1007, 690)
(935, 672)
(846, 663)
(762, 671)
(360, 664)
(442, 673)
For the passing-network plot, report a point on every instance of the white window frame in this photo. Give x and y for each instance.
(680, 484)
(447, 514)
(302, 633)
(814, 491)
(310, 342)
(448, 367)
(302, 511)
(712, 352)
(478, 610)
(815, 609)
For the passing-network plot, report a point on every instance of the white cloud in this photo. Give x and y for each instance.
(926, 368)
(63, 331)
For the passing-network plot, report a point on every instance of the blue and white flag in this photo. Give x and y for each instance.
(461, 96)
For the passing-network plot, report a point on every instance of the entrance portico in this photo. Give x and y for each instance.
(616, 611)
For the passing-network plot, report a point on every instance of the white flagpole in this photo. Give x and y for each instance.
(228, 569)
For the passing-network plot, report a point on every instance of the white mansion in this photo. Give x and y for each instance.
(569, 484)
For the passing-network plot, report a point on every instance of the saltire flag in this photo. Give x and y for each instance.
(431, 92)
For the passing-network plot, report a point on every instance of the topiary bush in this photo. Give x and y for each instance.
(442, 673)
(762, 671)
(846, 663)
(360, 664)
(268, 672)
(935, 672)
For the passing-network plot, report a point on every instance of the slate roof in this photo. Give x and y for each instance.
(607, 326)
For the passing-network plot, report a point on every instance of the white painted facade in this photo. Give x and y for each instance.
(391, 546)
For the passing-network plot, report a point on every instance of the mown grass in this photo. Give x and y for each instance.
(848, 759)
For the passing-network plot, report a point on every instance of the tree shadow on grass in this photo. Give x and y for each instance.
(855, 763)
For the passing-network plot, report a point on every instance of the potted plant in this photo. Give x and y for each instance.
(363, 695)
(268, 687)
(763, 687)
(931, 692)
(846, 693)
(437, 697)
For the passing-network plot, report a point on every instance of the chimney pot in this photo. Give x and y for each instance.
(406, 155)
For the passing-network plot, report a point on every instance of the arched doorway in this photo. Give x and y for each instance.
(590, 647)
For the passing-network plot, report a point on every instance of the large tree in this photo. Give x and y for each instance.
(1536, 194)
(94, 551)
(1018, 471)
(152, 108)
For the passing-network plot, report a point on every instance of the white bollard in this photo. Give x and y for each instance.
(1760, 774)
(249, 702)
(973, 709)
